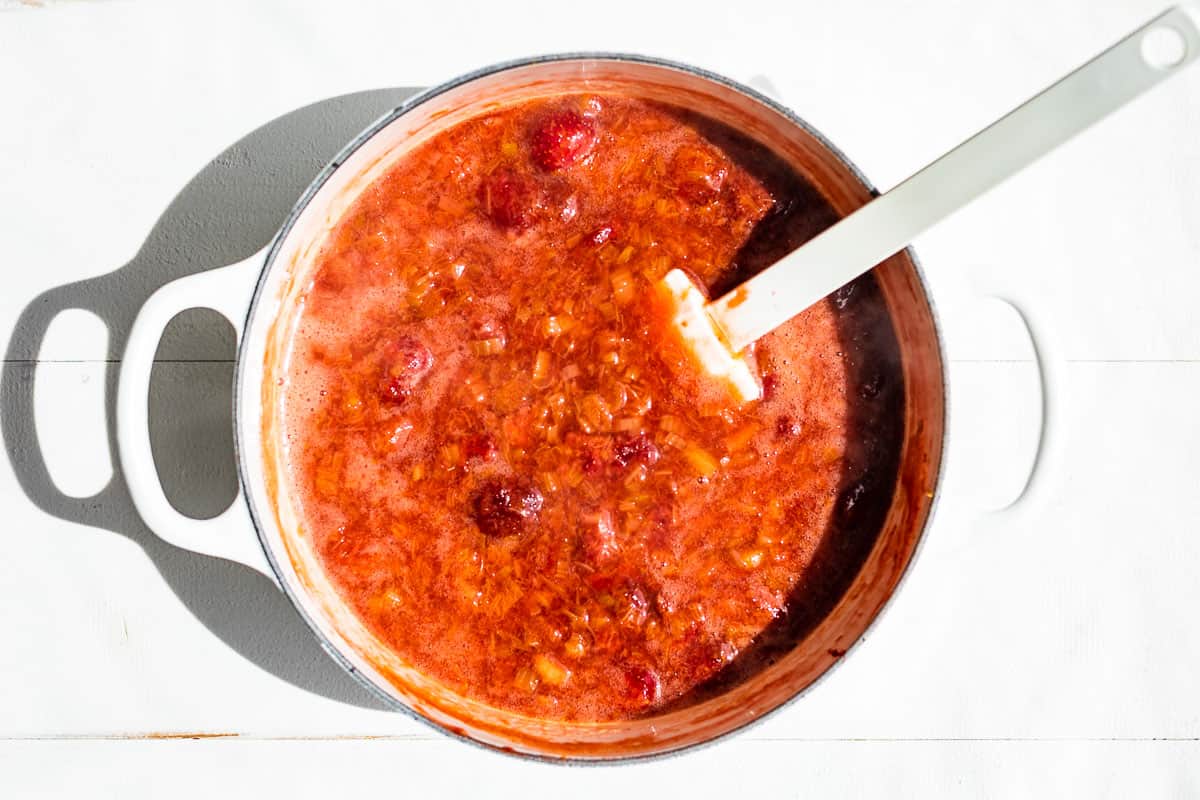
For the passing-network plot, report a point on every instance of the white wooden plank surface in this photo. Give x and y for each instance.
(892, 770)
(1056, 659)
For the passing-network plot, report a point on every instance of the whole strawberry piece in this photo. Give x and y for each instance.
(563, 139)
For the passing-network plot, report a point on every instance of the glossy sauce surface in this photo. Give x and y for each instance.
(501, 473)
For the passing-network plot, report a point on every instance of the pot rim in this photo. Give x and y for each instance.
(240, 446)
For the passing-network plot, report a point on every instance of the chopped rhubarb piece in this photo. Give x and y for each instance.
(699, 173)
(598, 538)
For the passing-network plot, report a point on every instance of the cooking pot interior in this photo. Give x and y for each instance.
(262, 363)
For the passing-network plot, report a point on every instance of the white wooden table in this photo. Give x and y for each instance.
(143, 140)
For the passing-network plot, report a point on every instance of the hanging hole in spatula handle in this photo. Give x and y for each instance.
(1164, 47)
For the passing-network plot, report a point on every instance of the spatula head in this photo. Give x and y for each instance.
(699, 340)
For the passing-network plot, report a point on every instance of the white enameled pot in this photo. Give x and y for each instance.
(258, 296)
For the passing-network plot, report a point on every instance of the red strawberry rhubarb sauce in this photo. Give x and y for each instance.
(502, 474)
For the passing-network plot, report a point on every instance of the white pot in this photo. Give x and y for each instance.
(259, 529)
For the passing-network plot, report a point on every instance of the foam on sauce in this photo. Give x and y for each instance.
(502, 476)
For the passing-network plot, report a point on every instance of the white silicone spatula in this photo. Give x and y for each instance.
(715, 333)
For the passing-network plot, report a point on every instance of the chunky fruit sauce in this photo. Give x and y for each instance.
(501, 475)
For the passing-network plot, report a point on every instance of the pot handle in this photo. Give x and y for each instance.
(1048, 460)
(231, 534)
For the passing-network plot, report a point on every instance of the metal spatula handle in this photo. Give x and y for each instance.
(887, 224)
